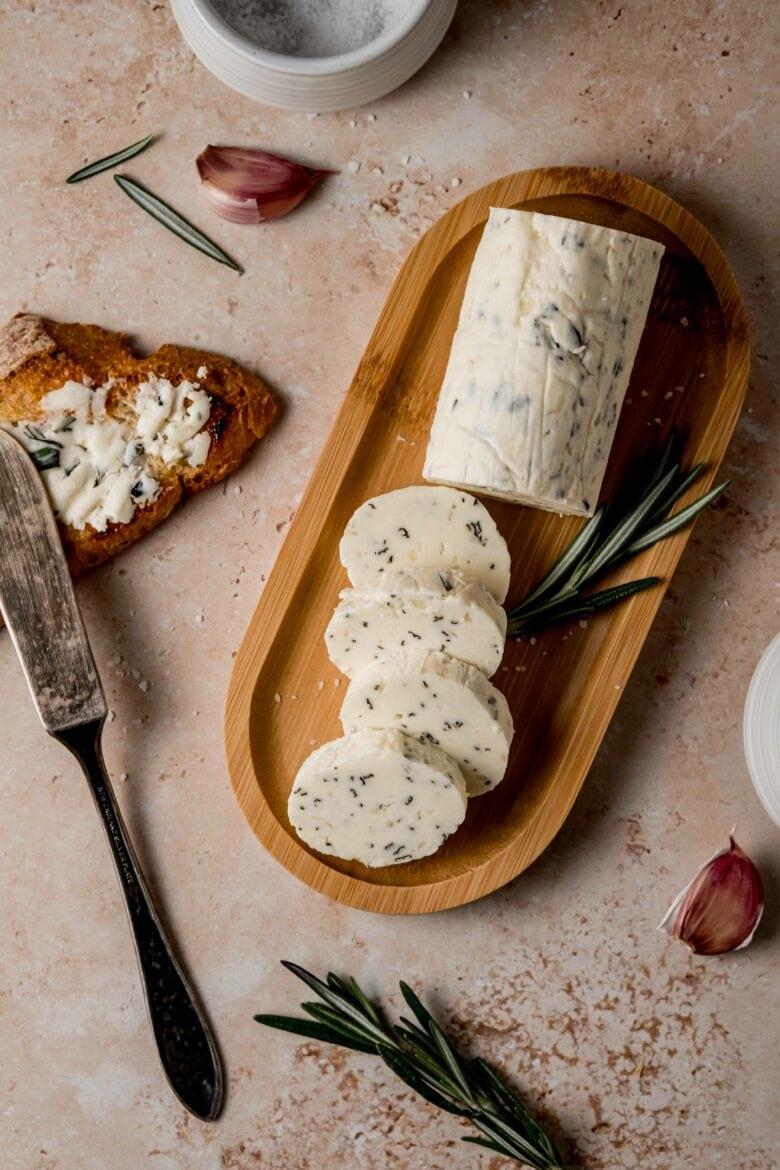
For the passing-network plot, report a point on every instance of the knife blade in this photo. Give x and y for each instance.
(39, 606)
(37, 599)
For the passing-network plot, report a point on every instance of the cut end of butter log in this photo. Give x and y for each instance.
(377, 797)
(440, 702)
(425, 528)
(550, 325)
(417, 609)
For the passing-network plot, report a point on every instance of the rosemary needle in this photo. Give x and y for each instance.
(170, 219)
(111, 160)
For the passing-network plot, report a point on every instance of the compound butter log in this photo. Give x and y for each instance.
(549, 329)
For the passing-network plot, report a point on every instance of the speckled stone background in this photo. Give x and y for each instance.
(636, 1053)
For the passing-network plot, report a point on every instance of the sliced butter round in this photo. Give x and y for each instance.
(377, 797)
(420, 609)
(425, 528)
(438, 701)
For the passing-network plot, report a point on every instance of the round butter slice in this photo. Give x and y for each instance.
(425, 528)
(377, 797)
(440, 702)
(420, 609)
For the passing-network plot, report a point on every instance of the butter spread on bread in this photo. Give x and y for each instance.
(98, 467)
(120, 440)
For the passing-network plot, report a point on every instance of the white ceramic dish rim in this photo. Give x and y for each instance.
(312, 66)
(761, 752)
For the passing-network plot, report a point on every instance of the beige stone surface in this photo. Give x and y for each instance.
(637, 1053)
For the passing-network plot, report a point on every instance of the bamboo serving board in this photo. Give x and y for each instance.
(691, 372)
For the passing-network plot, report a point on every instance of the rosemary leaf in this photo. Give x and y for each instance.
(424, 1058)
(170, 219)
(679, 520)
(406, 1069)
(111, 160)
(623, 531)
(45, 458)
(531, 623)
(676, 493)
(571, 557)
(313, 1031)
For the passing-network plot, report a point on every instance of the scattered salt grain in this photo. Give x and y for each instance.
(407, 158)
(372, 117)
(467, 94)
(320, 685)
(123, 777)
(353, 165)
(200, 617)
(456, 182)
(353, 123)
(684, 322)
(643, 393)
(143, 685)
(668, 395)
(378, 208)
(277, 697)
(582, 624)
(337, 682)
(311, 116)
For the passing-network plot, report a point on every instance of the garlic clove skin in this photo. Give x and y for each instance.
(719, 911)
(252, 186)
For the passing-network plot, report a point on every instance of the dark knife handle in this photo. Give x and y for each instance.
(184, 1040)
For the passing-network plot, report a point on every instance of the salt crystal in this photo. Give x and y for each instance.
(353, 165)
(467, 94)
(143, 685)
(277, 697)
(456, 182)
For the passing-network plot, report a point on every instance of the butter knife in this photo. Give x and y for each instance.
(39, 606)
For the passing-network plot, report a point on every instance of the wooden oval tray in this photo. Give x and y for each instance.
(562, 691)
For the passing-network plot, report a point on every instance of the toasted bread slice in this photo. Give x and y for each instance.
(38, 355)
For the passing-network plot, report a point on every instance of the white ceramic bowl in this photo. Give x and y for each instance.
(761, 729)
(316, 84)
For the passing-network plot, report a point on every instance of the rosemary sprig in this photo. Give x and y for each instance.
(419, 1052)
(111, 160)
(174, 222)
(614, 534)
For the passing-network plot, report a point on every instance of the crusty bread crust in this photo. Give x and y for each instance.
(38, 355)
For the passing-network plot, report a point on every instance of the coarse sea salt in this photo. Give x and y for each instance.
(311, 28)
